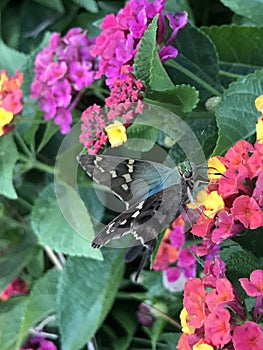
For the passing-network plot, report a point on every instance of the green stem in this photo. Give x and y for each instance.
(230, 75)
(33, 163)
(191, 75)
(22, 144)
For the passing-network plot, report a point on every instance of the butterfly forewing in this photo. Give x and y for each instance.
(131, 180)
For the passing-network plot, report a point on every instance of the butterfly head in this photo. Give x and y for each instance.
(187, 170)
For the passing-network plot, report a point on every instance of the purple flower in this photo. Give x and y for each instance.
(38, 343)
(62, 70)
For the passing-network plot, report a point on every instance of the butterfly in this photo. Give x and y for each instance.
(152, 192)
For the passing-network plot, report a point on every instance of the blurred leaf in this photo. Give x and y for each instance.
(36, 266)
(128, 322)
(251, 9)
(87, 291)
(17, 256)
(236, 114)
(8, 159)
(171, 339)
(56, 5)
(41, 302)
(144, 137)
(51, 226)
(197, 59)
(11, 315)
(229, 72)
(237, 44)
(90, 5)
(185, 96)
(11, 59)
(50, 131)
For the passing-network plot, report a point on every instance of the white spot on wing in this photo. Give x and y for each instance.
(140, 205)
(125, 187)
(113, 173)
(136, 214)
(127, 177)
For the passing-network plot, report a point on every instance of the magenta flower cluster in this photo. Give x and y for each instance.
(62, 70)
(120, 38)
(125, 101)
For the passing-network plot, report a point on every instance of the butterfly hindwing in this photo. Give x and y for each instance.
(144, 220)
(130, 179)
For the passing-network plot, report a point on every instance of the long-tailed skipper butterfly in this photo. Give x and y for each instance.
(152, 193)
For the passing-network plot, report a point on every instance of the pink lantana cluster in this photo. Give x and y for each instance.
(38, 343)
(119, 41)
(10, 99)
(124, 103)
(62, 70)
(17, 286)
(213, 314)
(234, 202)
(177, 263)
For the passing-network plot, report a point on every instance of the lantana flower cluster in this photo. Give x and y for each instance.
(213, 316)
(177, 263)
(10, 99)
(234, 199)
(118, 43)
(62, 70)
(124, 103)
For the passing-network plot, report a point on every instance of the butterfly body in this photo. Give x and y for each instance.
(151, 191)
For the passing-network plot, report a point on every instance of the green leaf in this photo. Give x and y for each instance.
(147, 64)
(237, 44)
(11, 315)
(237, 114)
(143, 59)
(185, 96)
(171, 339)
(196, 63)
(251, 9)
(17, 256)
(240, 263)
(86, 293)
(51, 226)
(11, 59)
(126, 321)
(41, 302)
(90, 5)
(56, 5)
(141, 138)
(50, 131)
(8, 158)
(36, 266)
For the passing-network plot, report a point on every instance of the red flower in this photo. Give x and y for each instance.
(202, 226)
(194, 301)
(246, 210)
(248, 337)
(254, 287)
(217, 328)
(221, 295)
(238, 154)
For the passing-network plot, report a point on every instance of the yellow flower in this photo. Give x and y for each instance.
(184, 317)
(259, 103)
(116, 133)
(214, 202)
(200, 199)
(259, 129)
(5, 119)
(215, 168)
(202, 346)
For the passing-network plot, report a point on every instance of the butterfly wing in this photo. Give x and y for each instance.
(131, 180)
(144, 220)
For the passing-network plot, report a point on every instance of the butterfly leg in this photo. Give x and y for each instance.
(149, 248)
